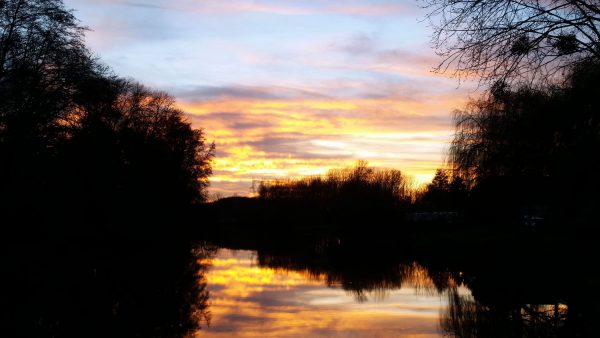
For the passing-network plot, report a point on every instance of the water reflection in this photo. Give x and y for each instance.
(103, 288)
(162, 288)
(364, 279)
(256, 295)
(465, 317)
(373, 291)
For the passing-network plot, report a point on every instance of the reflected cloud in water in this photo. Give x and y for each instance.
(248, 300)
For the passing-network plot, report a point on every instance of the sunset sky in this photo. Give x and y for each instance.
(288, 88)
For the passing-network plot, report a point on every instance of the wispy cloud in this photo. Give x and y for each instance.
(202, 93)
(280, 7)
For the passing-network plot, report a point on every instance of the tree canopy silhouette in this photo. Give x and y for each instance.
(533, 144)
(75, 136)
(445, 192)
(525, 40)
(348, 194)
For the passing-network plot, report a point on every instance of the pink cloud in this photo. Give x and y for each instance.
(272, 7)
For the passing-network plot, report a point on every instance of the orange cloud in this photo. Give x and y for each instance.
(261, 139)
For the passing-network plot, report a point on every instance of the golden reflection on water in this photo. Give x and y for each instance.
(247, 300)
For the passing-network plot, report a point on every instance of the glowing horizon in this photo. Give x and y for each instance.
(287, 138)
(288, 88)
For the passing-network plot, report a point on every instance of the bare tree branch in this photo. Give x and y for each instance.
(522, 41)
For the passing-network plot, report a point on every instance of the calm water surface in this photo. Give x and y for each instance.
(252, 300)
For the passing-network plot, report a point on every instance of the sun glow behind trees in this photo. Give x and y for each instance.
(261, 139)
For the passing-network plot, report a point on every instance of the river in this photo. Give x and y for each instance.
(250, 300)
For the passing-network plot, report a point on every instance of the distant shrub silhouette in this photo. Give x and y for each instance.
(358, 192)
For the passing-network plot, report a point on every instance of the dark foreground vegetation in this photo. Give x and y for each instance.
(534, 150)
(97, 175)
(78, 143)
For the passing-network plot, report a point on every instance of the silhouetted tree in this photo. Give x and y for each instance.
(158, 155)
(523, 145)
(440, 180)
(514, 40)
(75, 137)
(445, 192)
(42, 63)
(349, 195)
(40, 35)
(85, 158)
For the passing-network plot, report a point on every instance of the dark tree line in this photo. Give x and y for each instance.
(529, 146)
(350, 195)
(75, 138)
(521, 147)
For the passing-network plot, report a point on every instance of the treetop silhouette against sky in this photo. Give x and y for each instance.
(524, 41)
